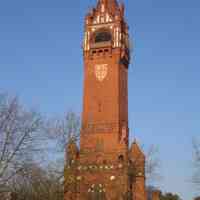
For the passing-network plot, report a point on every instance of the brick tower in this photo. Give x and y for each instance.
(104, 167)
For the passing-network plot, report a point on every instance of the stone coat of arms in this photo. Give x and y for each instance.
(101, 71)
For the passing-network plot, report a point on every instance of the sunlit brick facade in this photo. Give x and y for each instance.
(104, 167)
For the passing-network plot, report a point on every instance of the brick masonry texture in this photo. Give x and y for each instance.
(104, 167)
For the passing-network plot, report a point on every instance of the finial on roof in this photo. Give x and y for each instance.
(110, 4)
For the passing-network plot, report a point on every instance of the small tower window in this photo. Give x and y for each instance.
(120, 158)
(103, 37)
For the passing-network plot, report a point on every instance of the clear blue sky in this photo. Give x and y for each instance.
(41, 61)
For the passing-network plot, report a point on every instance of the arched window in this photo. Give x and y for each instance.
(120, 158)
(103, 37)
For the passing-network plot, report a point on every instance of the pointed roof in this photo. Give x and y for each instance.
(110, 5)
(136, 151)
(105, 7)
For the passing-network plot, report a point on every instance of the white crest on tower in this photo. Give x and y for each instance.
(101, 71)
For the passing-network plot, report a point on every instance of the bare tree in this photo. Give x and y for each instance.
(196, 176)
(64, 129)
(25, 136)
(36, 183)
(18, 132)
(60, 132)
(169, 196)
(152, 164)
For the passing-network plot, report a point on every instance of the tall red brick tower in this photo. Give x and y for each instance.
(104, 167)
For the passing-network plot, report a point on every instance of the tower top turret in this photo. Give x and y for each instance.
(108, 7)
(106, 27)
